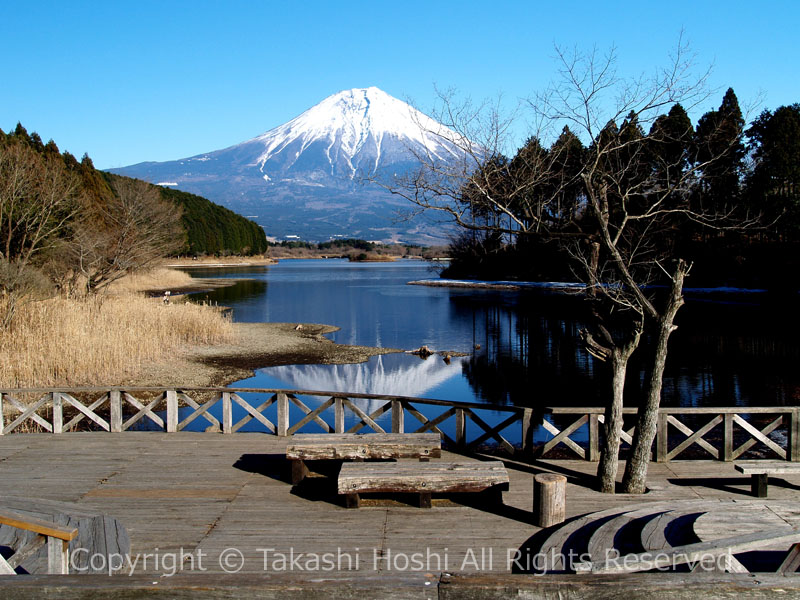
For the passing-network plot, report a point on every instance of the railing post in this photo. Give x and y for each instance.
(172, 411)
(793, 451)
(2, 419)
(338, 415)
(115, 409)
(398, 417)
(594, 437)
(283, 414)
(227, 413)
(727, 437)
(662, 440)
(58, 413)
(461, 429)
(527, 430)
(57, 563)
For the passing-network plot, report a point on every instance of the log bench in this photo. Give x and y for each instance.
(424, 479)
(356, 446)
(760, 471)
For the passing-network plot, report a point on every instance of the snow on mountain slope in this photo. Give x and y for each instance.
(357, 128)
(306, 177)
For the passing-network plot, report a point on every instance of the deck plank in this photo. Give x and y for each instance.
(201, 492)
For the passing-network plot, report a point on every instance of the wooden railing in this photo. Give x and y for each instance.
(55, 536)
(721, 433)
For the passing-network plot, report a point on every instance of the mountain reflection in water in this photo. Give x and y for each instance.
(522, 347)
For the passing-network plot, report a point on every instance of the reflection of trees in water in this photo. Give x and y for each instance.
(722, 355)
(529, 354)
(735, 354)
(241, 290)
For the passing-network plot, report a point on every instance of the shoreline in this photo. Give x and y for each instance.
(257, 345)
(498, 285)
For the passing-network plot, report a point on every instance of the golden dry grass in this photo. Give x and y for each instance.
(153, 279)
(101, 340)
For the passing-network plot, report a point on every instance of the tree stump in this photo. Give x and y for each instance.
(549, 499)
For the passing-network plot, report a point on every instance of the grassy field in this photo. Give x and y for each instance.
(103, 339)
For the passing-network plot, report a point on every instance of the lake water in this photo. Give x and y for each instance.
(521, 347)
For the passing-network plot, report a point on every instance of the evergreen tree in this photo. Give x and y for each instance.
(51, 148)
(672, 143)
(774, 184)
(21, 132)
(721, 152)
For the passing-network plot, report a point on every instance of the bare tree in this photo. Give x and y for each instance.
(614, 206)
(129, 232)
(38, 197)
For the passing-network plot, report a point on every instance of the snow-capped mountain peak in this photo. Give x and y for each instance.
(354, 130)
(309, 176)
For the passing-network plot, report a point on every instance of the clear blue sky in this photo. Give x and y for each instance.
(160, 80)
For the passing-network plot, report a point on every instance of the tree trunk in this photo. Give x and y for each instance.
(635, 479)
(609, 456)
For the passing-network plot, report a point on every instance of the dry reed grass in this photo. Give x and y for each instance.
(101, 340)
(160, 278)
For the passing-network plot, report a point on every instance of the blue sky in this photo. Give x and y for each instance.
(134, 81)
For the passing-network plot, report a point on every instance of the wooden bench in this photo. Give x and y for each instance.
(698, 555)
(760, 471)
(421, 478)
(356, 446)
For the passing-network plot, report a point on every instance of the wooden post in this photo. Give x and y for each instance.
(115, 409)
(172, 411)
(227, 413)
(57, 563)
(461, 429)
(758, 484)
(58, 413)
(793, 453)
(527, 431)
(727, 437)
(283, 414)
(549, 499)
(425, 499)
(398, 417)
(594, 437)
(338, 415)
(2, 419)
(662, 437)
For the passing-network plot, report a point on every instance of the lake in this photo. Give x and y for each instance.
(521, 347)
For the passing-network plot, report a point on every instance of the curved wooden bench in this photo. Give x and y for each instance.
(606, 536)
(576, 536)
(700, 552)
(654, 535)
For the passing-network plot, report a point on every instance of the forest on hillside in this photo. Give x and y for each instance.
(68, 227)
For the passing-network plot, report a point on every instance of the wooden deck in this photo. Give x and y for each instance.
(204, 494)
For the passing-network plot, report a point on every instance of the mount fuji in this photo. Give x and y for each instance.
(307, 177)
